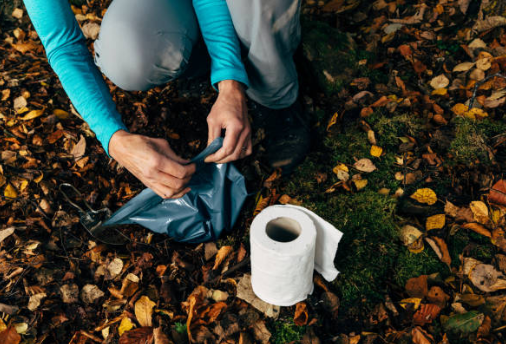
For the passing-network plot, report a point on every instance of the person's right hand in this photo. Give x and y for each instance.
(153, 162)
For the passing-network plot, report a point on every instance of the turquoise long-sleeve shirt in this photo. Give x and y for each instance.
(71, 60)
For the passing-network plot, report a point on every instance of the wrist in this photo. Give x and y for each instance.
(230, 86)
(116, 142)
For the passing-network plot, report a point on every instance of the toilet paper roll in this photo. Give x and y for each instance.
(287, 243)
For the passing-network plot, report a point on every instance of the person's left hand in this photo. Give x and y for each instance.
(230, 113)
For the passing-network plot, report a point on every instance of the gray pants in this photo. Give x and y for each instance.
(145, 43)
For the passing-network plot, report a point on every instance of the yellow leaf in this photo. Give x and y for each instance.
(460, 109)
(332, 121)
(376, 151)
(61, 114)
(476, 113)
(417, 246)
(39, 178)
(425, 195)
(125, 325)
(415, 301)
(435, 222)
(221, 255)
(144, 311)
(23, 184)
(340, 167)
(440, 92)
(480, 211)
(360, 183)
(3, 327)
(32, 114)
(10, 192)
(22, 110)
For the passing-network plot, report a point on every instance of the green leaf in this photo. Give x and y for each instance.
(464, 323)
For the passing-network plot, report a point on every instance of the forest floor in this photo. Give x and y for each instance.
(407, 103)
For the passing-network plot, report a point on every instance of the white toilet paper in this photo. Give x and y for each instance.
(287, 243)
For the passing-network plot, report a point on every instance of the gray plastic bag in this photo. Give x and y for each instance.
(210, 208)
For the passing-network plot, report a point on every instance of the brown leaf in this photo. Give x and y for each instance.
(417, 286)
(425, 314)
(497, 194)
(437, 296)
(276, 175)
(160, 337)
(142, 335)
(223, 252)
(439, 246)
(476, 227)
(241, 254)
(261, 332)
(25, 47)
(301, 316)
(10, 336)
(420, 336)
(79, 149)
(144, 311)
(485, 327)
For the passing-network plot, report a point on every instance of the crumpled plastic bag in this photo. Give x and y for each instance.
(211, 207)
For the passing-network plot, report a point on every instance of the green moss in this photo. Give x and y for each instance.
(180, 327)
(469, 144)
(285, 331)
(389, 129)
(411, 265)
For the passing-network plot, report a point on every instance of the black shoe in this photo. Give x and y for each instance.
(287, 134)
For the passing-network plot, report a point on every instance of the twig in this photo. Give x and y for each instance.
(481, 82)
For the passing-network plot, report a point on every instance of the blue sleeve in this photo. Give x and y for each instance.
(71, 60)
(221, 41)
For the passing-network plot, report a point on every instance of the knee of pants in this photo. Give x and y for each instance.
(136, 59)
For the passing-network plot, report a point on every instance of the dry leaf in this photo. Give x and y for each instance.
(160, 337)
(142, 335)
(497, 194)
(460, 109)
(25, 47)
(425, 314)
(410, 234)
(417, 287)
(440, 248)
(332, 121)
(451, 209)
(419, 336)
(440, 81)
(35, 300)
(32, 114)
(480, 211)
(223, 252)
(10, 336)
(144, 311)
(476, 227)
(90, 293)
(435, 222)
(437, 296)
(91, 30)
(5, 233)
(79, 149)
(10, 191)
(301, 315)
(376, 151)
(463, 67)
(486, 278)
(365, 165)
(425, 195)
(489, 23)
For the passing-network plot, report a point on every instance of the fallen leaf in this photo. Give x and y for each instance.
(417, 287)
(79, 148)
(90, 293)
(440, 248)
(410, 303)
(91, 30)
(464, 323)
(419, 336)
(301, 315)
(425, 195)
(125, 325)
(364, 165)
(10, 336)
(425, 314)
(10, 192)
(460, 109)
(410, 234)
(144, 311)
(440, 81)
(142, 335)
(486, 278)
(463, 67)
(25, 47)
(476, 227)
(376, 151)
(69, 293)
(497, 194)
(332, 121)
(488, 23)
(245, 292)
(35, 300)
(32, 114)
(223, 252)
(435, 222)
(160, 337)
(5, 233)
(437, 296)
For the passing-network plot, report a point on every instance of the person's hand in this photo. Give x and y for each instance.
(153, 162)
(230, 113)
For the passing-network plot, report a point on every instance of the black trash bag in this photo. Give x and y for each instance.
(211, 207)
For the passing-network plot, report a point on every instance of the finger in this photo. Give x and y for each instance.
(175, 169)
(232, 135)
(176, 184)
(181, 194)
(214, 131)
(238, 151)
(162, 191)
(172, 155)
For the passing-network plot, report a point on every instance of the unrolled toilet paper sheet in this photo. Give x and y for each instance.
(282, 272)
